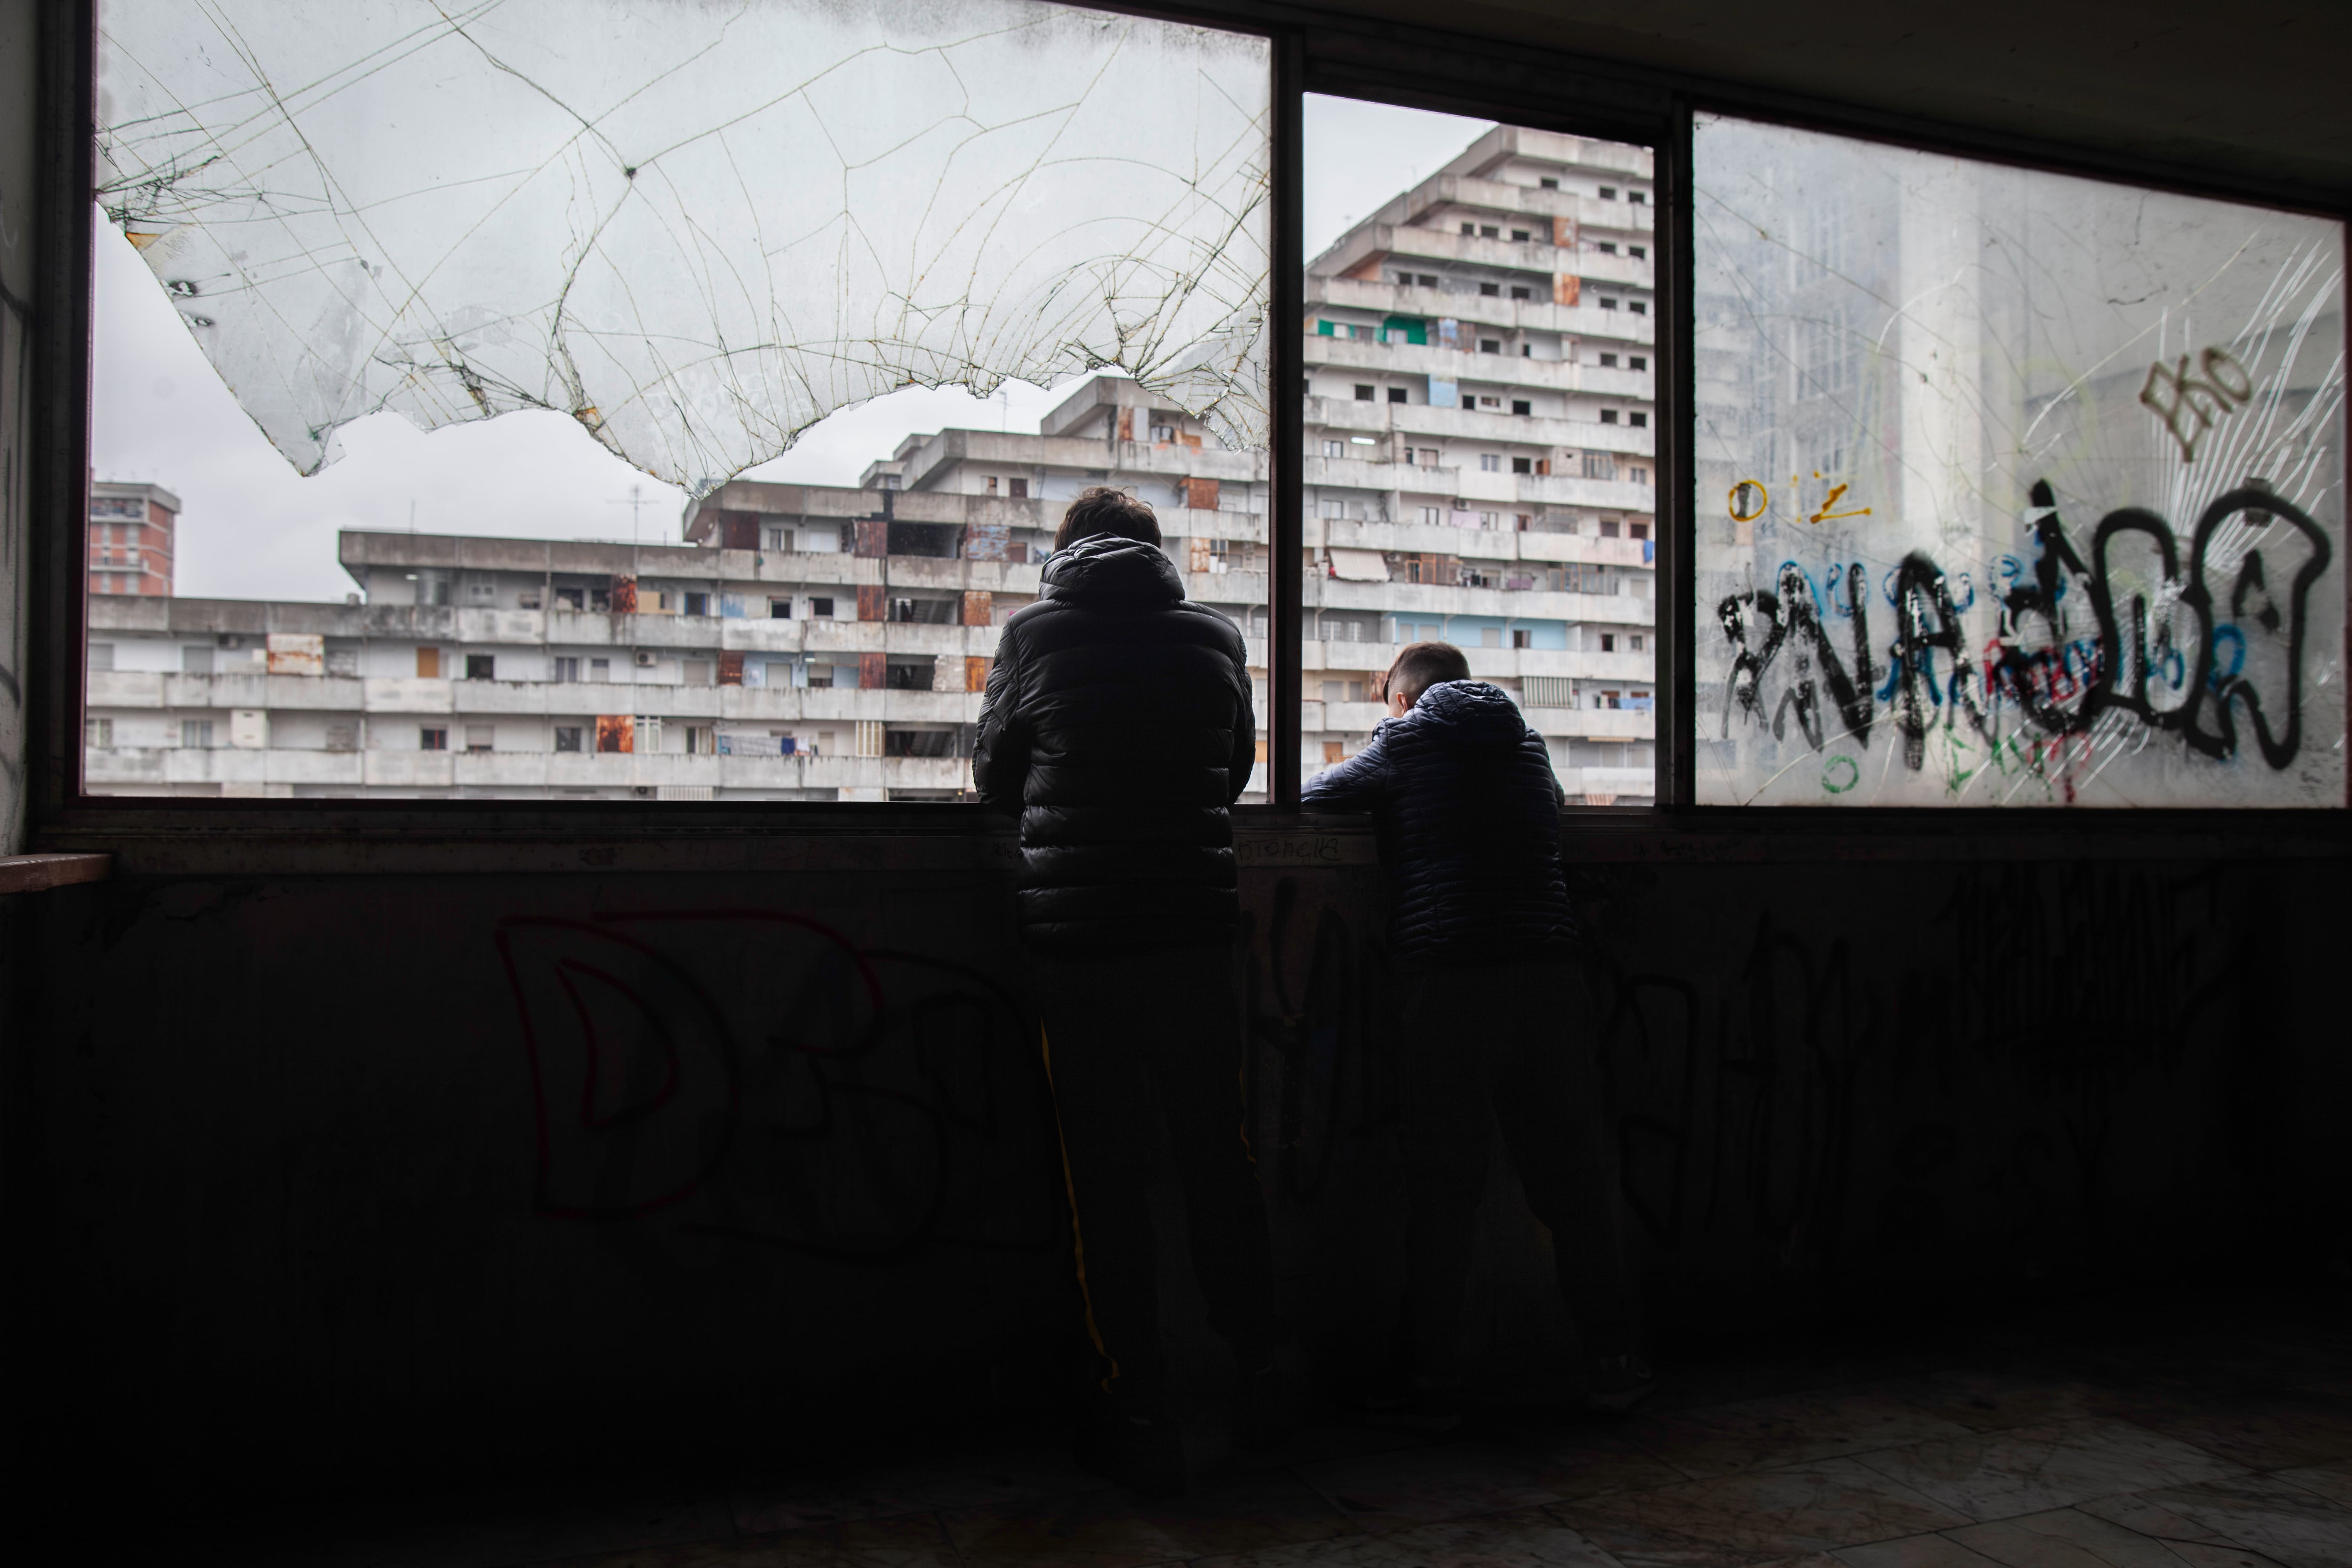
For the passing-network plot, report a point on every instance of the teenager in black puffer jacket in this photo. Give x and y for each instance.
(1493, 1020)
(1117, 722)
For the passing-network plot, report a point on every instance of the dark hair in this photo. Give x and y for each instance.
(1102, 509)
(1422, 665)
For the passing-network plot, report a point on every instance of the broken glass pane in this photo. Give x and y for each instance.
(697, 229)
(2013, 488)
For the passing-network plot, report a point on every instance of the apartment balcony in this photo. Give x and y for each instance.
(1347, 416)
(1186, 523)
(1456, 364)
(1582, 320)
(1429, 242)
(1620, 782)
(1427, 599)
(1496, 196)
(1236, 590)
(1483, 543)
(394, 694)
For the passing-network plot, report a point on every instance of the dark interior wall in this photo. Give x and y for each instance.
(326, 1162)
(315, 1156)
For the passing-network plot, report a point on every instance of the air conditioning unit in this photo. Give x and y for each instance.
(646, 660)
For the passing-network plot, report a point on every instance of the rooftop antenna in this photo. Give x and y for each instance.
(636, 502)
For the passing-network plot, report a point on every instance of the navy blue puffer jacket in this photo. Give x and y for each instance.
(1119, 720)
(1468, 813)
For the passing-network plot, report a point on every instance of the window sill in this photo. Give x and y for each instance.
(39, 873)
(489, 837)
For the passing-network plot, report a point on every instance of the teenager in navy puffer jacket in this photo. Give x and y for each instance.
(1493, 1024)
(1468, 813)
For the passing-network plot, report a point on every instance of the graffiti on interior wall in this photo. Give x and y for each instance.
(755, 1075)
(1824, 1109)
(2051, 667)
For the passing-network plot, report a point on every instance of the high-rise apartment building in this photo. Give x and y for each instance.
(1479, 470)
(132, 530)
(1481, 463)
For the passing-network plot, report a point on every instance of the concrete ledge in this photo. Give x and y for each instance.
(34, 873)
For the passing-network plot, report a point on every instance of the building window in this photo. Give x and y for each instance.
(1607, 303)
(1523, 465)
(1546, 183)
(1429, 456)
(698, 604)
(1490, 231)
(821, 609)
(428, 664)
(1522, 407)
(101, 655)
(1490, 345)
(1363, 393)
(1432, 517)
(1470, 228)
(1608, 193)
(1335, 449)
(1637, 362)
(97, 732)
(1638, 474)
(1639, 307)
(1634, 643)
(567, 737)
(433, 739)
(1607, 247)
(196, 734)
(1520, 637)
(1638, 419)
(1019, 488)
(1636, 197)
(1638, 531)
(1426, 279)
(1608, 362)
(1490, 462)
(1608, 528)
(600, 670)
(567, 670)
(1609, 417)
(481, 737)
(1608, 642)
(1490, 291)
(1396, 395)
(1519, 293)
(1519, 236)
(481, 666)
(779, 609)
(1638, 252)
(775, 539)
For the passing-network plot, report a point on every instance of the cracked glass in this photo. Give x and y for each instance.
(863, 294)
(2012, 488)
(697, 229)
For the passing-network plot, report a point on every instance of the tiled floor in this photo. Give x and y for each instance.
(2196, 1434)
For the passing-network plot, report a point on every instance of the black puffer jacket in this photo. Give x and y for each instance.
(1468, 813)
(1119, 719)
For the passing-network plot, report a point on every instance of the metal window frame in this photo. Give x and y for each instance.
(1315, 51)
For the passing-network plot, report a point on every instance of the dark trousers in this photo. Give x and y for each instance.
(1136, 1044)
(1511, 1042)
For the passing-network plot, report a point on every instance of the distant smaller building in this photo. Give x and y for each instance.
(132, 539)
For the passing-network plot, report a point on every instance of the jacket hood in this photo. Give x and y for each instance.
(1467, 711)
(1110, 567)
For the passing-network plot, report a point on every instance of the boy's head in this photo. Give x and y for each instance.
(1102, 509)
(1419, 667)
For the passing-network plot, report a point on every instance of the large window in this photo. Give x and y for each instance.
(2012, 489)
(765, 346)
(1480, 461)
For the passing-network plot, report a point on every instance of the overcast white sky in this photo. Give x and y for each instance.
(253, 528)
